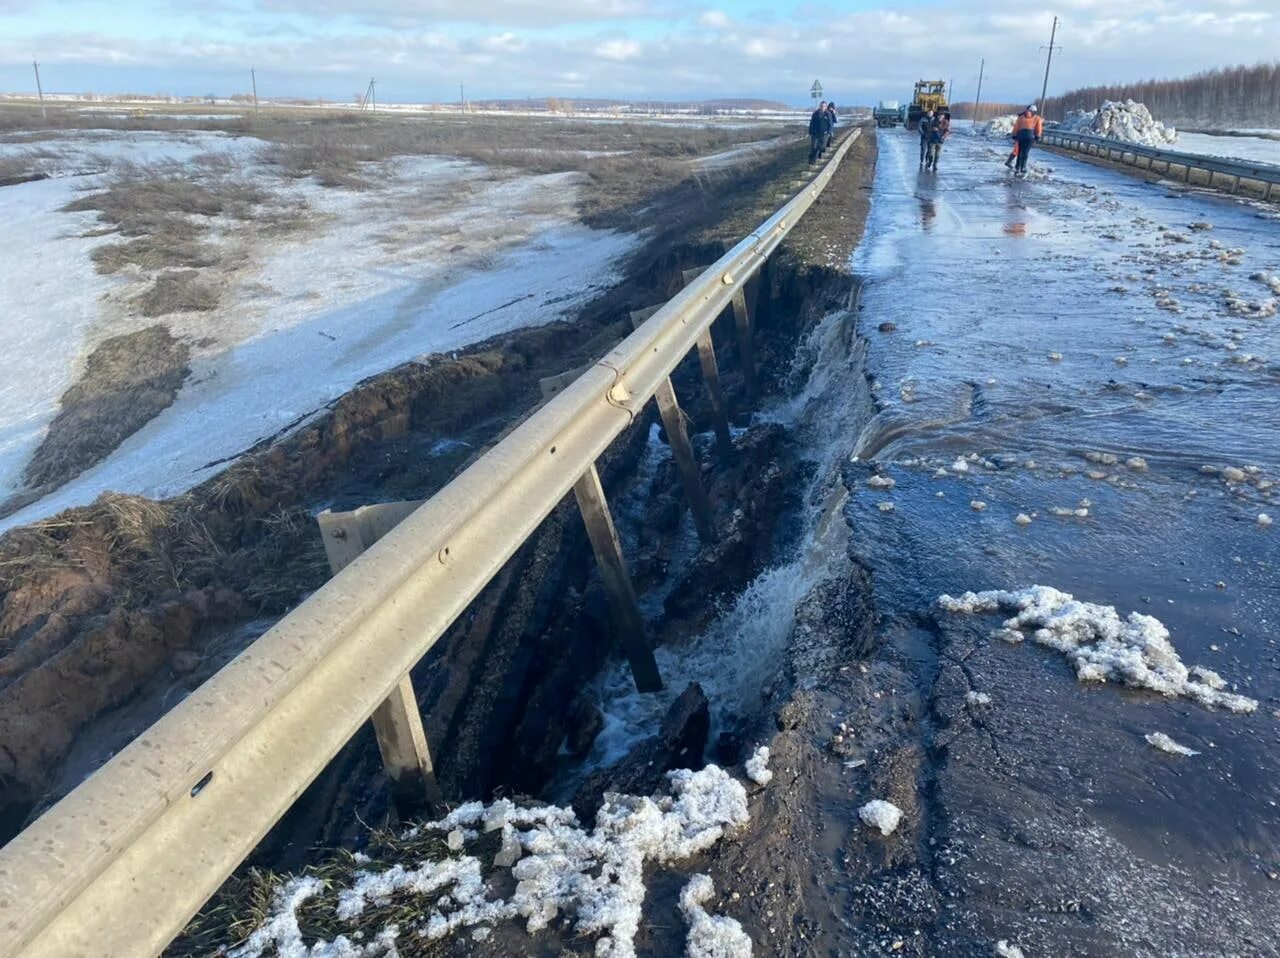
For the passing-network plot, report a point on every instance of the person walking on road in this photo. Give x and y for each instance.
(1027, 129)
(925, 128)
(818, 125)
(831, 123)
(938, 133)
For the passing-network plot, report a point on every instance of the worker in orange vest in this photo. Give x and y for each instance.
(1027, 129)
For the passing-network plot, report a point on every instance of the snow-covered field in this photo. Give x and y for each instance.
(443, 253)
(1254, 148)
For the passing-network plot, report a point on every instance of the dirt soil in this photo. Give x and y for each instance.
(100, 603)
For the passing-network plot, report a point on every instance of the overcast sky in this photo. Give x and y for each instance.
(421, 50)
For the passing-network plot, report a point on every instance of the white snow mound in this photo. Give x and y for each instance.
(1000, 126)
(1129, 122)
(710, 936)
(757, 766)
(1100, 645)
(595, 877)
(880, 814)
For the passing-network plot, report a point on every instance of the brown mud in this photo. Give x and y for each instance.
(101, 602)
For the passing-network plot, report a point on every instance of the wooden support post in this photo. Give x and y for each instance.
(397, 722)
(711, 374)
(686, 461)
(742, 320)
(617, 581)
(681, 448)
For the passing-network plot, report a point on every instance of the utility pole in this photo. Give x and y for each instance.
(253, 76)
(951, 85)
(44, 115)
(977, 100)
(462, 97)
(1044, 90)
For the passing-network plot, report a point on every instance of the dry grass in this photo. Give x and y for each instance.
(245, 901)
(127, 381)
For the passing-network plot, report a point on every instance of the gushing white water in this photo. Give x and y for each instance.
(743, 651)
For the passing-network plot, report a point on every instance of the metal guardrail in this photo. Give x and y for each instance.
(1265, 175)
(120, 865)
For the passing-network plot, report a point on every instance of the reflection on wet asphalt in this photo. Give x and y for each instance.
(1102, 358)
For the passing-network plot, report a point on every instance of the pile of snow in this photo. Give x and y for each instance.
(1135, 651)
(880, 814)
(595, 877)
(710, 936)
(1129, 122)
(1001, 126)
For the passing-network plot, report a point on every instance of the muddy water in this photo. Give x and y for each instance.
(1050, 334)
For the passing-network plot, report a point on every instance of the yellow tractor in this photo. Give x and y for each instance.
(929, 95)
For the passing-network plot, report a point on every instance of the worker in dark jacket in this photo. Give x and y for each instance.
(831, 126)
(926, 130)
(1027, 129)
(819, 123)
(939, 130)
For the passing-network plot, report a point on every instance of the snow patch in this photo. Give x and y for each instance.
(1100, 645)
(757, 766)
(710, 936)
(1006, 950)
(596, 877)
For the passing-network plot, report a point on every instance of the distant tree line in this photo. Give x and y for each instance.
(987, 111)
(1215, 99)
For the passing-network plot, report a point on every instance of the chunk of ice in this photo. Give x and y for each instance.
(880, 814)
(1165, 744)
(757, 766)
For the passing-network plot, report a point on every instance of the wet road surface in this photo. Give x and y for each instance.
(1102, 358)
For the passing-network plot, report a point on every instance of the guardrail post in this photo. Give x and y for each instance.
(711, 375)
(686, 461)
(742, 320)
(617, 580)
(673, 422)
(397, 721)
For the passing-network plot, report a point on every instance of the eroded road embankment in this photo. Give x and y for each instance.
(1073, 378)
(113, 612)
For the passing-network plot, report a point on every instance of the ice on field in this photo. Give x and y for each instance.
(595, 878)
(1129, 122)
(710, 936)
(1165, 744)
(1101, 646)
(880, 814)
(757, 766)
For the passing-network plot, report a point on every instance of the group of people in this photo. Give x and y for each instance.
(822, 130)
(935, 127)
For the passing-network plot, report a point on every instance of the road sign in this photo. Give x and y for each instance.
(815, 91)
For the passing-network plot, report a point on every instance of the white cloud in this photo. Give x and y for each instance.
(619, 50)
(697, 51)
